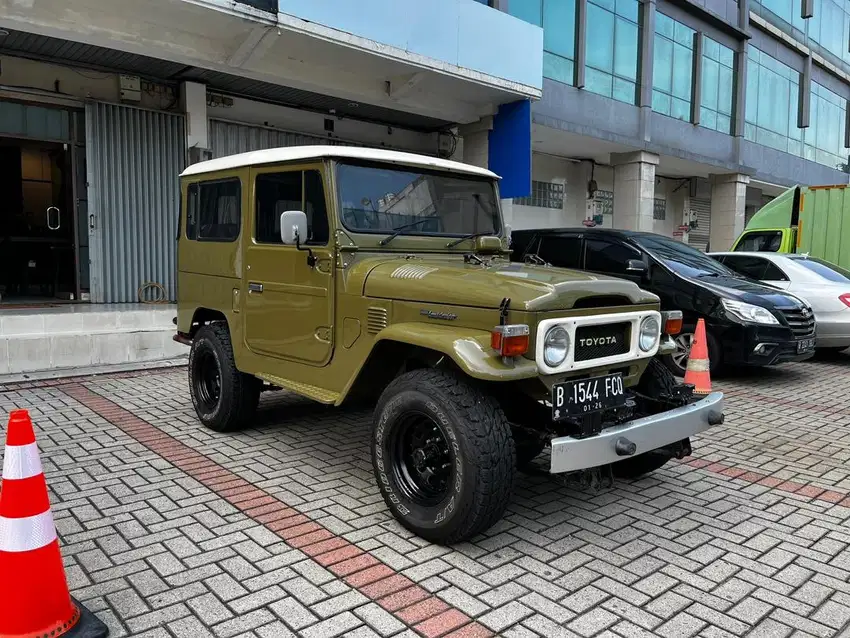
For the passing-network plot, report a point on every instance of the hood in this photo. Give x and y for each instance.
(749, 291)
(531, 288)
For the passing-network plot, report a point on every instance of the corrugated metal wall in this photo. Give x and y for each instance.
(134, 159)
(698, 237)
(228, 138)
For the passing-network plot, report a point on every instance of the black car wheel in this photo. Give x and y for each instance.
(677, 362)
(224, 398)
(443, 456)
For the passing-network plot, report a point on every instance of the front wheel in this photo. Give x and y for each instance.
(443, 456)
(677, 362)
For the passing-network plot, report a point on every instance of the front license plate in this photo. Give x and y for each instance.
(805, 345)
(575, 398)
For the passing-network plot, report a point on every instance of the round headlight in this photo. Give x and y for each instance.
(649, 333)
(555, 346)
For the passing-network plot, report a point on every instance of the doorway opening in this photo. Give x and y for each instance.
(38, 261)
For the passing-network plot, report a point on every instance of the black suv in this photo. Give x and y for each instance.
(747, 323)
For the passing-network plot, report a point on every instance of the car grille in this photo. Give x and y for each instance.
(595, 342)
(802, 321)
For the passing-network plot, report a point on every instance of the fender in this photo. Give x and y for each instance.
(467, 347)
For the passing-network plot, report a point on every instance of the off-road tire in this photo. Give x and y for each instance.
(480, 447)
(656, 380)
(239, 392)
(715, 353)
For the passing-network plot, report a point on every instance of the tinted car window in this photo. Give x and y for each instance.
(772, 272)
(752, 267)
(606, 256)
(681, 258)
(214, 210)
(293, 190)
(563, 251)
(826, 270)
(766, 242)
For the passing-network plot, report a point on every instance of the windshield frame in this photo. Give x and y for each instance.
(413, 233)
(721, 270)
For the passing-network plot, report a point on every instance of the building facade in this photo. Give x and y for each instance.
(684, 116)
(104, 102)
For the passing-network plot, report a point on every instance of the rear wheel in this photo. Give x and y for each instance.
(677, 362)
(224, 398)
(443, 456)
(656, 381)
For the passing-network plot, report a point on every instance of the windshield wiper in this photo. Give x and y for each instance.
(710, 274)
(398, 231)
(455, 242)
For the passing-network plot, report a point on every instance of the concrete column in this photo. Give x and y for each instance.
(476, 142)
(194, 102)
(728, 209)
(634, 190)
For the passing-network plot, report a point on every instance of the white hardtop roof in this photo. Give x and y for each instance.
(306, 153)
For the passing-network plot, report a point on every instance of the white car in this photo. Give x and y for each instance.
(825, 286)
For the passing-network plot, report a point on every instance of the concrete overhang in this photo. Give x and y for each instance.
(439, 65)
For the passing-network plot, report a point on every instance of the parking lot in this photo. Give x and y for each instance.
(169, 529)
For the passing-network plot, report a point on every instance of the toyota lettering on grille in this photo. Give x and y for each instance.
(598, 341)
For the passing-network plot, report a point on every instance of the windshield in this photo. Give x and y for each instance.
(828, 271)
(681, 258)
(379, 199)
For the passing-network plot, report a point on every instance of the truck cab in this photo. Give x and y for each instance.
(363, 275)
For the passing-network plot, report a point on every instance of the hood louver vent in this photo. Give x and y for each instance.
(377, 319)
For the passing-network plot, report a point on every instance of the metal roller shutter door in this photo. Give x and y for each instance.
(229, 138)
(699, 236)
(134, 159)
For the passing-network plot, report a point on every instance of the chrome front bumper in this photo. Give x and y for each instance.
(647, 433)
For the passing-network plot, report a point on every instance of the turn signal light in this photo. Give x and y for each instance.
(511, 340)
(672, 322)
(845, 298)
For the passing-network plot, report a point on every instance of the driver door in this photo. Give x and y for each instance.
(288, 304)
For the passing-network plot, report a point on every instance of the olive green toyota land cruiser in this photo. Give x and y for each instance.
(347, 274)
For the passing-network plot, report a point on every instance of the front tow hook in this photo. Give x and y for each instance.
(716, 418)
(624, 447)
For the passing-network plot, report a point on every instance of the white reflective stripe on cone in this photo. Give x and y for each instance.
(28, 533)
(21, 461)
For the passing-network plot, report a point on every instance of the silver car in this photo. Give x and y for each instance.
(824, 285)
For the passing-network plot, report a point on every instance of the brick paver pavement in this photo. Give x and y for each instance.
(169, 529)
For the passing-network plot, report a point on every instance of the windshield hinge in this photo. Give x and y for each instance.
(503, 311)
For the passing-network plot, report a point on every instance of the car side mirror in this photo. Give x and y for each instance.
(636, 267)
(293, 228)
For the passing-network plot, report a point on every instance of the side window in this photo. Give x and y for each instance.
(192, 212)
(606, 256)
(293, 190)
(215, 210)
(563, 251)
(772, 272)
(751, 267)
(762, 242)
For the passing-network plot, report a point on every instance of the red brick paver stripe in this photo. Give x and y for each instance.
(425, 614)
(35, 384)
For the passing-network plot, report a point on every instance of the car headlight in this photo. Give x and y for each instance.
(748, 312)
(556, 345)
(650, 331)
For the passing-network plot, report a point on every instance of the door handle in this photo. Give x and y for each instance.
(255, 287)
(58, 218)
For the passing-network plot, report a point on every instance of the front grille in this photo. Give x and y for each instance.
(801, 321)
(595, 342)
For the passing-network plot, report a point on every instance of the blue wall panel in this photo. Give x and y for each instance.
(510, 149)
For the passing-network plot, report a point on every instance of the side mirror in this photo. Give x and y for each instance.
(293, 227)
(636, 267)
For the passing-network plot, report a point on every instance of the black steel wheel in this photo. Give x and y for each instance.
(224, 398)
(443, 455)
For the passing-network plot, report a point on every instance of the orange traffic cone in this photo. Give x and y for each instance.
(697, 372)
(34, 596)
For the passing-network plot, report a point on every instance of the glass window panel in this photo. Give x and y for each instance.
(626, 49)
(625, 91)
(750, 131)
(528, 10)
(598, 82)
(752, 95)
(682, 72)
(782, 8)
(683, 35)
(727, 56)
(724, 90)
(606, 4)
(661, 102)
(557, 68)
(628, 9)
(664, 25)
(710, 80)
(708, 118)
(724, 123)
(711, 49)
(559, 27)
(681, 109)
(662, 65)
(600, 34)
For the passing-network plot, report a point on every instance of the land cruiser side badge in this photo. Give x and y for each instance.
(431, 314)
